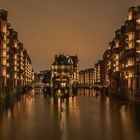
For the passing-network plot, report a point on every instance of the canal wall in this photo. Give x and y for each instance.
(126, 94)
(10, 93)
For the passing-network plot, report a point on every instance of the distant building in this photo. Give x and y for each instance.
(86, 77)
(98, 73)
(93, 75)
(64, 71)
(81, 77)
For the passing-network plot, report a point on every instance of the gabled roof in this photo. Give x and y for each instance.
(63, 60)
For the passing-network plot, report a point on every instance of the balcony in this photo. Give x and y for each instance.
(130, 52)
(129, 67)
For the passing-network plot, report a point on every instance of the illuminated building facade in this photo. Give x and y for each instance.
(3, 48)
(122, 58)
(15, 64)
(82, 77)
(28, 73)
(64, 71)
(12, 59)
(93, 75)
(86, 77)
(98, 73)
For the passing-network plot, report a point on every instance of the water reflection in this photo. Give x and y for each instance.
(89, 92)
(90, 115)
(67, 112)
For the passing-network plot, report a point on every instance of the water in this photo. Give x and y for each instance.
(88, 116)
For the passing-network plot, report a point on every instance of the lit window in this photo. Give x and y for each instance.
(138, 41)
(4, 54)
(15, 68)
(4, 45)
(4, 28)
(117, 44)
(117, 68)
(138, 21)
(4, 62)
(15, 44)
(131, 45)
(130, 74)
(15, 76)
(117, 56)
(5, 37)
(15, 56)
(131, 36)
(117, 62)
(130, 15)
(130, 62)
(4, 72)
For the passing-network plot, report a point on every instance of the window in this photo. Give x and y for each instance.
(117, 44)
(130, 15)
(130, 62)
(4, 62)
(4, 72)
(131, 45)
(138, 21)
(131, 36)
(4, 27)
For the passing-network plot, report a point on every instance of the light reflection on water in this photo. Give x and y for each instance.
(90, 115)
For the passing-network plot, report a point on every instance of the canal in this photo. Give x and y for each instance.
(90, 115)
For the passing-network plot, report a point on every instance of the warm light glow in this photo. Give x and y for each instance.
(130, 74)
(15, 68)
(117, 44)
(138, 41)
(15, 56)
(117, 62)
(21, 53)
(138, 21)
(4, 72)
(130, 62)
(131, 36)
(63, 84)
(4, 27)
(4, 62)
(5, 37)
(4, 54)
(131, 45)
(15, 62)
(15, 76)
(15, 44)
(117, 68)
(130, 15)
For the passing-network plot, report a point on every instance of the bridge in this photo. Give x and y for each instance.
(47, 85)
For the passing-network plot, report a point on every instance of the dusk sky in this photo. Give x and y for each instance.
(82, 27)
